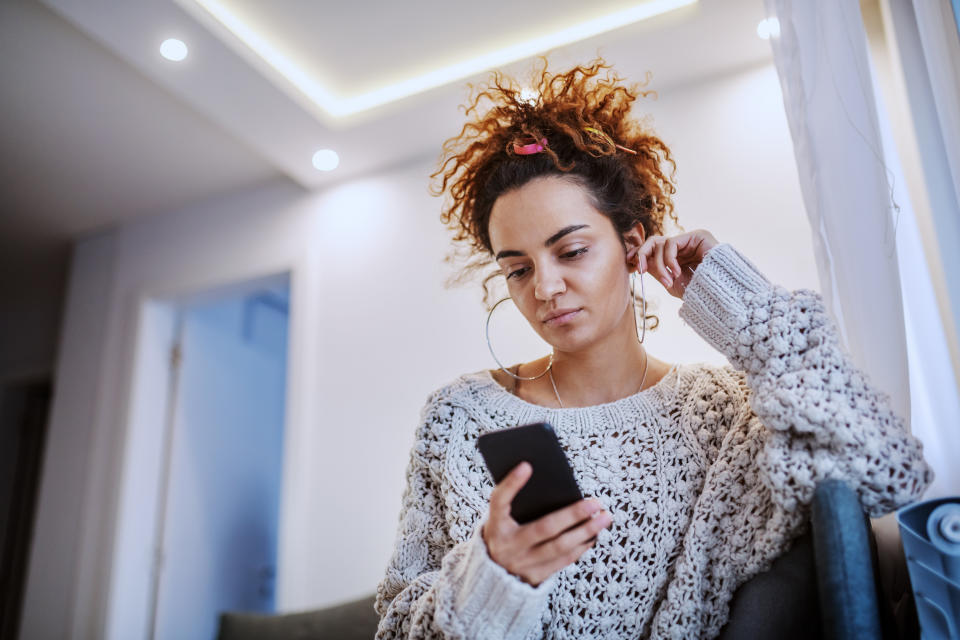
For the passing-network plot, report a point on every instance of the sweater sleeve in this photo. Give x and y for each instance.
(436, 589)
(824, 418)
(791, 411)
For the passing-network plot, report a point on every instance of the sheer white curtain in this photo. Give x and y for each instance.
(864, 247)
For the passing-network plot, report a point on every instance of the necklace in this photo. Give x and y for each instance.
(557, 393)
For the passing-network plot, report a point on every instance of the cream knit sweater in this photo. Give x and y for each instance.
(708, 476)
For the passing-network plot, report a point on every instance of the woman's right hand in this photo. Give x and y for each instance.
(535, 550)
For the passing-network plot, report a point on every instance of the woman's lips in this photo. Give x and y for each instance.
(563, 318)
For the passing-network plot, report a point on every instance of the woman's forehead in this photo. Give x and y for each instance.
(537, 210)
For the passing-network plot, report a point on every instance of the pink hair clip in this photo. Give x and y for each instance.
(529, 149)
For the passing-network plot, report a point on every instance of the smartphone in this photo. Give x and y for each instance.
(552, 485)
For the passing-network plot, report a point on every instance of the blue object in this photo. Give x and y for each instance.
(931, 540)
(956, 14)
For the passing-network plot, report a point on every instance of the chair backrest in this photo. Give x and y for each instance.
(845, 574)
(781, 602)
(354, 620)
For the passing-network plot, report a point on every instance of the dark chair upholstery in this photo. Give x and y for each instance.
(823, 587)
(779, 603)
(355, 620)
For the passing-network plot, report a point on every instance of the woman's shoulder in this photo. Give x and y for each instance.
(466, 393)
(458, 406)
(460, 389)
(714, 384)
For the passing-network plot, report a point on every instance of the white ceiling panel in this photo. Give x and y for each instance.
(89, 141)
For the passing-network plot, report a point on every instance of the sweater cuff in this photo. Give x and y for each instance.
(493, 603)
(715, 302)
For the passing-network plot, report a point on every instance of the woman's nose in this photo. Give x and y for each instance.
(549, 284)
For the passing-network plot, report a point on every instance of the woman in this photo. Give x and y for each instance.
(698, 476)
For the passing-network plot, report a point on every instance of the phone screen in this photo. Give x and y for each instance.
(552, 485)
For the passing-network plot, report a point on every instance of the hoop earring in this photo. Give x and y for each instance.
(643, 297)
(490, 346)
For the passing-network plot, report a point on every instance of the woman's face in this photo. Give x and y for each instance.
(565, 265)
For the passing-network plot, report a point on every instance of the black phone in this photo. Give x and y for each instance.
(552, 485)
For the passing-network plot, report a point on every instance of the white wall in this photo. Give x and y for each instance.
(737, 178)
(372, 332)
(53, 582)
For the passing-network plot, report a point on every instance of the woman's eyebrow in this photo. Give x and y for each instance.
(510, 253)
(559, 234)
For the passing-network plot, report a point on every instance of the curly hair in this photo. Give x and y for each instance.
(590, 139)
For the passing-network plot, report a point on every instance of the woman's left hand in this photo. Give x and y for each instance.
(673, 260)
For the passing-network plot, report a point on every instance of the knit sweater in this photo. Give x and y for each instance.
(708, 475)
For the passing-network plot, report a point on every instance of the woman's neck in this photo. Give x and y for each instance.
(603, 373)
(607, 371)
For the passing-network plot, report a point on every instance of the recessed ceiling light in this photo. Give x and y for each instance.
(326, 160)
(173, 49)
(768, 28)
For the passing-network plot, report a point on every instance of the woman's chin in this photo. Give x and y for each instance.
(574, 339)
(569, 340)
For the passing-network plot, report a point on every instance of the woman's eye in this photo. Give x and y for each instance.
(517, 273)
(574, 253)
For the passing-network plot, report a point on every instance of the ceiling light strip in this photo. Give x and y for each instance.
(342, 107)
(269, 54)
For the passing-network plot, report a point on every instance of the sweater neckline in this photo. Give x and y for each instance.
(656, 393)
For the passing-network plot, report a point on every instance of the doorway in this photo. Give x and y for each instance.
(204, 463)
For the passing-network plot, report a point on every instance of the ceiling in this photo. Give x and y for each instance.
(99, 129)
(437, 32)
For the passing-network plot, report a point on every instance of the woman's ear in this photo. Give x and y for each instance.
(633, 240)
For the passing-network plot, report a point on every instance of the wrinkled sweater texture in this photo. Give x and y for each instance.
(708, 475)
